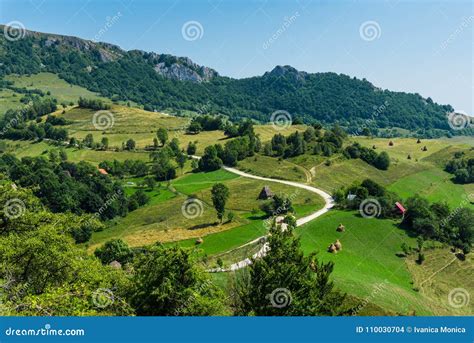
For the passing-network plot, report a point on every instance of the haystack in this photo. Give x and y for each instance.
(424, 148)
(390, 143)
(418, 141)
(409, 157)
(374, 147)
(199, 240)
(341, 228)
(115, 264)
(338, 245)
(332, 249)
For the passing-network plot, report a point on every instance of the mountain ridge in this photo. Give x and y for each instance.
(163, 82)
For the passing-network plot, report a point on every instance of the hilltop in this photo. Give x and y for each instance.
(165, 82)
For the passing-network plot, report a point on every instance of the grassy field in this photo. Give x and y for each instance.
(48, 82)
(443, 274)
(271, 167)
(9, 100)
(435, 185)
(163, 220)
(368, 259)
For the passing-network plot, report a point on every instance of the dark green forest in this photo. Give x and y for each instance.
(130, 75)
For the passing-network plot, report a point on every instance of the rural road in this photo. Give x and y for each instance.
(329, 203)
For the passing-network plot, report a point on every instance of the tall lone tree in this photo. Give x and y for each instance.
(162, 135)
(286, 282)
(220, 194)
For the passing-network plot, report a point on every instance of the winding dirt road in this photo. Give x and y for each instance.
(329, 203)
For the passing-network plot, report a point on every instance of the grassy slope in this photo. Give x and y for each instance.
(162, 219)
(49, 82)
(367, 259)
(441, 273)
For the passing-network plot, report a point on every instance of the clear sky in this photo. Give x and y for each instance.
(414, 46)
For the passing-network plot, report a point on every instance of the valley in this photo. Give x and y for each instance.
(114, 168)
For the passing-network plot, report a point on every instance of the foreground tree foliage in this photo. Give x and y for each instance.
(44, 272)
(286, 282)
(168, 282)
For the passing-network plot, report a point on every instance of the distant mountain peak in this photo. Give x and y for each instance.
(287, 71)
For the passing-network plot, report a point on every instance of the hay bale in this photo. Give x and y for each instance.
(332, 249)
(338, 245)
(199, 240)
(115, 264)
(341, 228)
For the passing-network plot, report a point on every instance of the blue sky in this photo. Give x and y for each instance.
(416, 46)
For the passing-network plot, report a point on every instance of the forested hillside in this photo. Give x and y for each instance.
(166, 82)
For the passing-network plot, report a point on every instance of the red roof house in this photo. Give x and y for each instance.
(400, 207)
(103, 171)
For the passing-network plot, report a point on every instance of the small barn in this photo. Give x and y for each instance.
(265, 193)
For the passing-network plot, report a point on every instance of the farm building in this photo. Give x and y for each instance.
(103, 171)
(265, 193)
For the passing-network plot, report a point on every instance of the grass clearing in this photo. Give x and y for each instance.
(59, 89)
(443, 273)
(367, 262)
